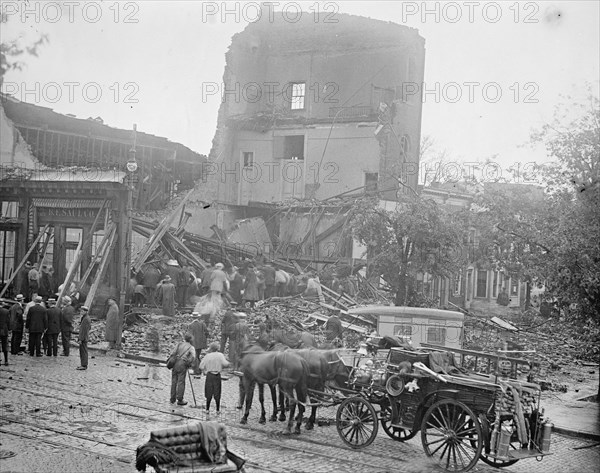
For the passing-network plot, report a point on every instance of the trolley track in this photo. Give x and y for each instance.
(303, 445)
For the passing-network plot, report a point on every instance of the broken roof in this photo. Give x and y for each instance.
(35, 116)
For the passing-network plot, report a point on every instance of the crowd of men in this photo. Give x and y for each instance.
(170, 285)
(40, 322)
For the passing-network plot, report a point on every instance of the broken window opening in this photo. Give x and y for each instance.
(248, 157)
(298, 95)
(371, 179)
(294, 147)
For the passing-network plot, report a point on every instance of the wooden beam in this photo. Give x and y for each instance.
(101, 270)
(331, 230)
(157, 236)
(78, 255)
(22, 263)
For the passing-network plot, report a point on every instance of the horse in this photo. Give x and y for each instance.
(283, 368)
(324, 366)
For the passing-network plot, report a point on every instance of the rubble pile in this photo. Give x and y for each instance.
(561, 350)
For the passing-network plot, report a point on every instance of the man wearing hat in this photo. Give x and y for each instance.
(67, 315)
(16, 325)
(53, 328)
(199, 331)
(37, 323)
(166, 296)
(84, 336)
(4, 324)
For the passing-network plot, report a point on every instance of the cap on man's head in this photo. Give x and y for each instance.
(167, 278)
(52, 300)
(85, 307)
(219, 265)
(19, 297)
(37, 299)
(28, 263)
(195, 313)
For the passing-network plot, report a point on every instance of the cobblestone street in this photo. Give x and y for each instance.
(54, 418)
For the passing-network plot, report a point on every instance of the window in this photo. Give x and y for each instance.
(371, 181)
(96, 239)
(495, 285)
(403, 330)
(436, 335)
(481, 283)
(248, 157)
(514, 287)
(457, 289)
(298, 94)
(7, 251)
(9, 209)
(72, 238)
(294, 147)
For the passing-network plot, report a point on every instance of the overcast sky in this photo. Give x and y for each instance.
(147, 62)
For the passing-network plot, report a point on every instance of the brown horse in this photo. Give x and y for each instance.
(282, 368)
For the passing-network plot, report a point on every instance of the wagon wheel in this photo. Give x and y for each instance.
(356, 422)
(451, 434)
(397, 433)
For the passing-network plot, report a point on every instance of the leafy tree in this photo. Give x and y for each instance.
(554, 238)
(416, 236)
(12, 51)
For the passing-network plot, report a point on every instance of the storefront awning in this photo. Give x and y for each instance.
(69, 203)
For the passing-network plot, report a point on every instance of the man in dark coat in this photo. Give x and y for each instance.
(333, 328)
(227, 324)
(236, 284)
(53, 327)
(4, 327)
(16, 325)
(199, 331)
(37, 323)
(84, 337)
(183, 283)
(166, 296)
(45, 283)
(150, 279)
(269, 272)
(67, 316)
(23, 279)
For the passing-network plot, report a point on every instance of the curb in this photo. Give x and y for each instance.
(575, 433)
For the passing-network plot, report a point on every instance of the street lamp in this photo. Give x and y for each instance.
(131, 167)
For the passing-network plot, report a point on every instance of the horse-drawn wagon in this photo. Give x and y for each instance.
(462, 416)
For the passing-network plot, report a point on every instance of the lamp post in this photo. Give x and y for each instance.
(132, 167)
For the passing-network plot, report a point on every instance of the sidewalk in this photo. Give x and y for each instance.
(574, 418)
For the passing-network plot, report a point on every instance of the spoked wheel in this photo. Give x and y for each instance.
(356, 422)
(397, 433)
(451, 434)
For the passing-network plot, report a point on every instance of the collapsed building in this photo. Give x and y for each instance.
(312, 112)
(65, 189)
